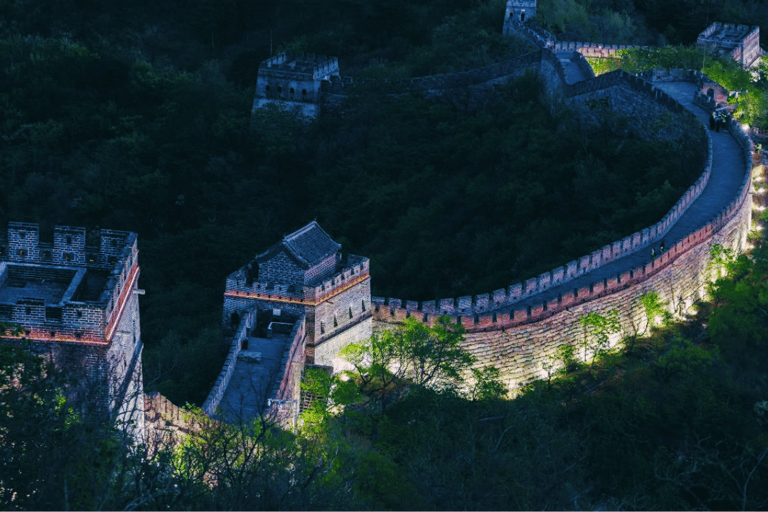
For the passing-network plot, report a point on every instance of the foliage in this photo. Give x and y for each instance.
(655, 310)
(416, 353)
(598, 330)
(53, 456)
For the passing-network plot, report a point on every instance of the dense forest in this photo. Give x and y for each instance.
(136, 116)
(674, 418)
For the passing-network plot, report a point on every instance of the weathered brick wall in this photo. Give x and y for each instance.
(333, 315)
(167, 424)
(282, 269)
(326, 353)
(248, 320)
(286, 390)
(325, 268)
(126, 386)
(524, 352)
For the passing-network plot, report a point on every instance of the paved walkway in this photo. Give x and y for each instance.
(726, 178)
(248, 389)
(573, 73)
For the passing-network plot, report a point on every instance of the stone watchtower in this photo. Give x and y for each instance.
(520, 11)
(76, 300)
(306, 274)
(293, 81)
(740, 42)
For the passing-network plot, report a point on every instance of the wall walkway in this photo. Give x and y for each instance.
(520, 330)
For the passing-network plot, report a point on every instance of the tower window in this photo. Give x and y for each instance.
(279, 89)
(69, 240)
(267, 88)
(303, 92)
(350, 311)
(291, 90)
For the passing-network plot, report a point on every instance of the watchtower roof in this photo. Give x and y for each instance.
(308, 246)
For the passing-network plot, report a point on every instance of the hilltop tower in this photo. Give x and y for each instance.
(740, 42)
(76, 300)
(293, 81)
(520, 10)
(306, 274)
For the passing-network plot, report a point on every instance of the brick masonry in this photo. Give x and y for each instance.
(76, 299)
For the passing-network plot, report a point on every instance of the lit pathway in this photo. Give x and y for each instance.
(727, 175)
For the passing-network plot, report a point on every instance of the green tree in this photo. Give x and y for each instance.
(598, 330)
(413, 353)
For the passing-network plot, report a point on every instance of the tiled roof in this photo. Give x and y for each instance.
(308, 246)
(311, 244)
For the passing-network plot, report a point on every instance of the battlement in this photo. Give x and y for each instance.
(356, 269)
(591, 50)
(726, 35)
(318, 67)
(511, 305)
(520, 10)
(740, 42)
(293, 80)
(72, 290)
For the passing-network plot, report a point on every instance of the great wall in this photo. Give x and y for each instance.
(518, 328)
(303, 301)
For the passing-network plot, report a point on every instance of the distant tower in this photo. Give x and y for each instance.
(520, 10)
(740, 42)
(306, 274)
(293, 81)
(76, 300)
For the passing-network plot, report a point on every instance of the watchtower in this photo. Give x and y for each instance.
(305, 273)
(520, 11)
(740, 42)
(293, 81)
(76, 299)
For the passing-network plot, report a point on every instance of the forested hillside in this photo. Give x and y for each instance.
(136, 116)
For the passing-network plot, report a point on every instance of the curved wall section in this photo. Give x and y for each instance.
(520, 328)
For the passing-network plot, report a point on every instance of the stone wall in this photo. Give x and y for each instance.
(473, 306)
(248, 320)
(522, 340)
(167, 425)
(527, 351)
(281, 268)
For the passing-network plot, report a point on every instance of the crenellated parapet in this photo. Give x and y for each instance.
(570, 285)
(356, 270)
(73, 289)
(591, 50)
(740, 42)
